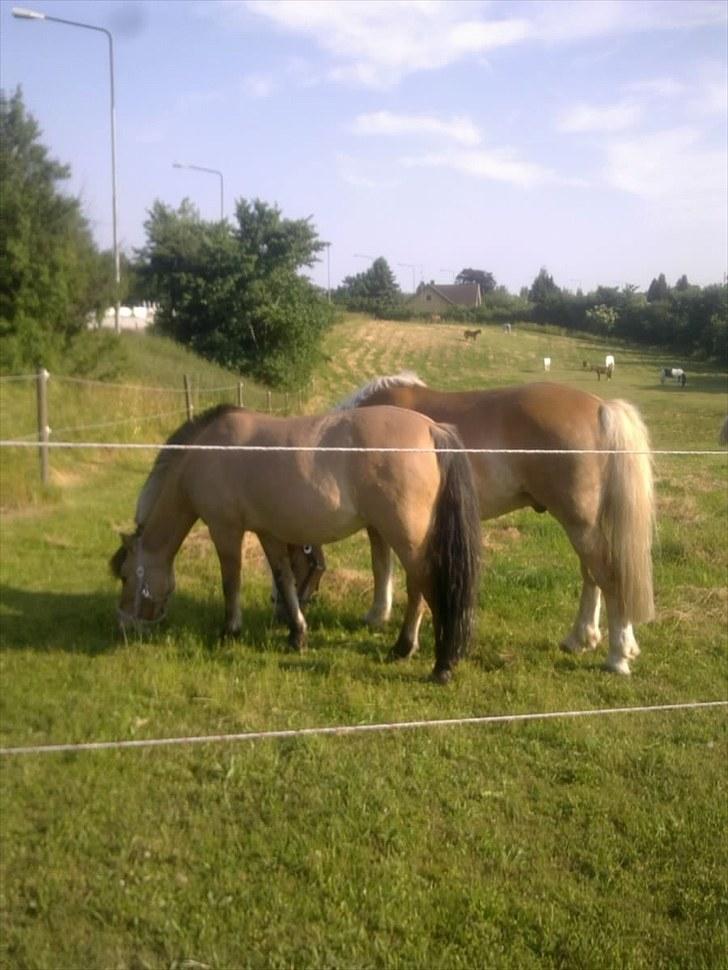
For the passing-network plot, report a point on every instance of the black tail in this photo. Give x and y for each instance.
(454, 554)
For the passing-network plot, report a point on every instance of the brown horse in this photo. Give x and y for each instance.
(604, 502)
(471, 334)
(315, 479)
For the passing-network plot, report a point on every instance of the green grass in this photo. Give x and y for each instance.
(586, 843)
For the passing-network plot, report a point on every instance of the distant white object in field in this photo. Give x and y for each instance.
(506, 328)
(547, 363)
(609, 361)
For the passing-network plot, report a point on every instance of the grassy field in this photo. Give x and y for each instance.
(590, 843)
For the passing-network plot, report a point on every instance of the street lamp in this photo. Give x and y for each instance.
(22, 14)
(211, 171)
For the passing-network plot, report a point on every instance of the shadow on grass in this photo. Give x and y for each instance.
(85, 623)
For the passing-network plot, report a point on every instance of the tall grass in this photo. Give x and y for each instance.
(592, 843)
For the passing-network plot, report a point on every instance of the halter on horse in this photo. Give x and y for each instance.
(320, 479)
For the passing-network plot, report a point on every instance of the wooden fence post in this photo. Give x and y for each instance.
(270, 408)
(188, 398)
(240, 394)
(42, 396)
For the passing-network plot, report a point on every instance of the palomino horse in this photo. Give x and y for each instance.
(307, 478)
(604, 502)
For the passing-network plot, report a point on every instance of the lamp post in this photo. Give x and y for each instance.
(22, 14)
(210, 171)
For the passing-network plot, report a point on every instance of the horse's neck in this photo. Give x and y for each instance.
(166, 529)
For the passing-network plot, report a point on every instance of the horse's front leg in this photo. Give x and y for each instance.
(381, 608)
(228, 543)
(280, 565)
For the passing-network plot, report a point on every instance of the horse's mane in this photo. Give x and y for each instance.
(406, 378)
(167, 458)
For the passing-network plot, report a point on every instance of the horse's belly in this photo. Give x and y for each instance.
(316, 524)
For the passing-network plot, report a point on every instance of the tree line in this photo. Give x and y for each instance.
(235, 290)
(684, 317)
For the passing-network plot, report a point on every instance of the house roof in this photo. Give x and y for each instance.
(458, 294)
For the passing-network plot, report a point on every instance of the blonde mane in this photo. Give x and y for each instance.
(406, 378)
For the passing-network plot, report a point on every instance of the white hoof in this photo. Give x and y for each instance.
(588, 638)
(618, 666)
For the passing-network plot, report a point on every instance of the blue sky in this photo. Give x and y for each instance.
(589, 137)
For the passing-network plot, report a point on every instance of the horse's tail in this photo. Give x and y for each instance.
(627, 508)
(454, 552)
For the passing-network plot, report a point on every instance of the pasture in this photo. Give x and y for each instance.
(595, 842)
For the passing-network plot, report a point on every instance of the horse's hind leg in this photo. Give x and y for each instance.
(408, 640)
(381, 607)
(280, 564)
(585, 634)
(622, 644)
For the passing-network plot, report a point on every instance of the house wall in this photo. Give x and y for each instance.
(429, 302)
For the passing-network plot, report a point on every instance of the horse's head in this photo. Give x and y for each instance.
(308, 565)
(146, 584)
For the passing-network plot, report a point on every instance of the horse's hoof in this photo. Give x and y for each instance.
(375, 621)
(620, 666)
(298, 642)
(441, 676)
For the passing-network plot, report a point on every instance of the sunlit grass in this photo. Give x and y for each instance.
(589, 843)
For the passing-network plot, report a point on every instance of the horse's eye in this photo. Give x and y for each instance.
(308, 550)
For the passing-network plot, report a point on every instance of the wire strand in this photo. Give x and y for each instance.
(344, 729)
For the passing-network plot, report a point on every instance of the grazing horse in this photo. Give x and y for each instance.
(675, 373)
(313, 479)
(604, 502)
(471, 334)
(606, 369)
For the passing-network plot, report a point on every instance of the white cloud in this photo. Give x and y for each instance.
(576, 20)
(500, 165)
(658, 87)
(361, 173)
(376, 43)
(258, 85)
(586, 117)
(459, 128)
(672, 166)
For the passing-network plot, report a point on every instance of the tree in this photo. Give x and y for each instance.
(234, 294)
(482, 277)
(372, 289)
(542, 287)
(51, 274)
(658, 290)
(682, 284)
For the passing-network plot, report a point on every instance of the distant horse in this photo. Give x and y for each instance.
(307, 479)
(604, 502)
(674, 373)
(471, 334)
(599, 369)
